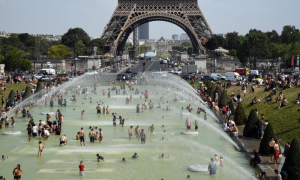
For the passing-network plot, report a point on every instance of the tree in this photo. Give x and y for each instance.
(39, 86)
(27, 93)
(11, 96)
(99, 43)
(223, 99)
(273, 37)
(59, 81)
(233, 52)
(233, 40)
(291, 164)
(239, 115)
(243, 50)
(231, 106)
(79, 48)
(290, 34)
(211, 90)
(14, 61)
(1, 57)
(264, 147)
(58, 51)
(219, 91)
(186, 44)
(215, 42)
(250, 129)
(75, 35)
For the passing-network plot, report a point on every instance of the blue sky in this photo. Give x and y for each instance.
(57, 16)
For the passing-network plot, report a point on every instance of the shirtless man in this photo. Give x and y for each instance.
(63, 140)
(130, 132)
(101, 135)
(7, 122)
(97, 136)
(271, 144)
(41, 147)
(82, 136)
(92, 136)
(107, 110)
(276, 152)
(188, 124)
(137, 131)
(82, 113)
(143, 137)
(98, 109)
(48, 117)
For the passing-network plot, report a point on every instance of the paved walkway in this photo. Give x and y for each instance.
(249, 144)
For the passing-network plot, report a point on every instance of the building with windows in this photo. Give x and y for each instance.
(184, 37)
(175, 37)
(143, 31)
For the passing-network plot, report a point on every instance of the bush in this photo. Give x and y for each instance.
(219, 91)
(11, 96)
(39, 87)
(211, 90)
(239, 115)
(264, 147)
(27, 93)
(231, 106)
(223, 99)
(291, 164)
(250, 129)
(59, 81)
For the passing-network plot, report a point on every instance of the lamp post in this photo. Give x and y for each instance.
(279, 70)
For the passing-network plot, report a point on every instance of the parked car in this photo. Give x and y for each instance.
(208, 78)
(133, 74)
(123, 77)
(288, 72)
(62, 76)
(128, 70)
(91, 73)
(38, 76)
(188, 76)
(47, 79)
(170, 70)
(232, 76)
(178, 71)
(253, 76)
(217, 76)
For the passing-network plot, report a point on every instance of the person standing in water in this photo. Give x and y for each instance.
(196, 125)
(130, 132)
(17, 172)
(137, 131)
(151, 128)
(81, 169)
(101, 135)
(188, 124)
(212, 167)
(142, 137)
(205, 117)
(41, 147)
(81, 136)
(138, 108)
(92, 135)
(82, 113)
(98, 109)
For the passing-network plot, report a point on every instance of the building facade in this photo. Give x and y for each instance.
(175, 37)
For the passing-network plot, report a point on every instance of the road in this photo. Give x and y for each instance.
(150, 66)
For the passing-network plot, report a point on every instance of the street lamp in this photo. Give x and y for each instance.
(279, 64)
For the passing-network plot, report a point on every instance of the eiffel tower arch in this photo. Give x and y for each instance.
(129, 14)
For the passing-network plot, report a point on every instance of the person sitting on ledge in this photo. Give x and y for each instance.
(255, 159)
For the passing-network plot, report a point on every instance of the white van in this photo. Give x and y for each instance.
(232, 76)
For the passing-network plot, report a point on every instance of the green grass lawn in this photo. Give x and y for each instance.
(15, 87)
(284, 120)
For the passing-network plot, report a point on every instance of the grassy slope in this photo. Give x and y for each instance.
(284, 120)
(15, 87)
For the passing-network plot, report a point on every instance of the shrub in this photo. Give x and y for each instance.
(291, 164)
(211, 90)
(223, 99)
(264, 147)
(11, 96)
(59, 81)
(250, 129)
(27, 93)
(219, 91)
(239, 115)
(39, 87)
(231, 106)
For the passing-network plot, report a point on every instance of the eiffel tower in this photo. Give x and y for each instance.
(129, 14)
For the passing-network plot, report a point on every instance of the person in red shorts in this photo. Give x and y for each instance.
(276, 152)
(188, 124)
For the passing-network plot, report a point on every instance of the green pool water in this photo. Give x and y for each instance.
(180, 150)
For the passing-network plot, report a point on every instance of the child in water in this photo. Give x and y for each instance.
(205, 117)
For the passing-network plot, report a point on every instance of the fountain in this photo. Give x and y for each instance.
(182, 150)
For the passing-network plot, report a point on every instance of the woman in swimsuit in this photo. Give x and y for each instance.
(17, 172)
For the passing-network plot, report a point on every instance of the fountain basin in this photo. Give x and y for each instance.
(189, 132)
(44, 113)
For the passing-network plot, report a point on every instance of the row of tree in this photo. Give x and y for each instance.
(257, 45)
(18, 48)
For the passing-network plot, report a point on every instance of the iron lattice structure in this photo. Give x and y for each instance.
(131, 13)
